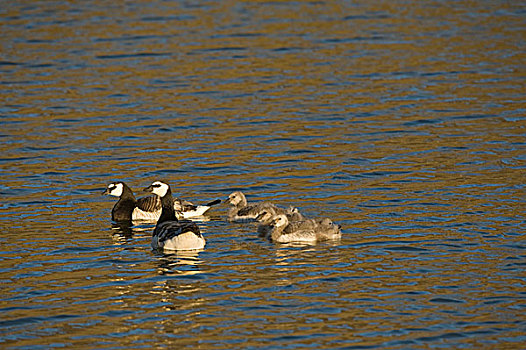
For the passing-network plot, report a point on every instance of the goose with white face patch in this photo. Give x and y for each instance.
(170, 233)
(149, 208)
(308, 231)
(128, 208)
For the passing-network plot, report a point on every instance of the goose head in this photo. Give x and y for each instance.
(159, 188)
(114, 189)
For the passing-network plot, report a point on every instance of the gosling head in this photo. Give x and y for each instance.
(236, 197)
(329, 223)
(280, 221)
(326, 222)
(266, 215)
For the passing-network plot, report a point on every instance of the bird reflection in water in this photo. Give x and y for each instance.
(123, 233)
(182, 292)
(182, 262)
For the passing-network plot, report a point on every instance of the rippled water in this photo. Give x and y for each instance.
(402, 121)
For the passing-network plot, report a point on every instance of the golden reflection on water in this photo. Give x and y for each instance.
(402, 122)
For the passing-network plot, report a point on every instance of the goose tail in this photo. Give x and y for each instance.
(212, 203)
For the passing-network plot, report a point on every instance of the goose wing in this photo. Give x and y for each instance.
(149, 203)
(181, 205)
(170, 229)
(256, 209)
(295, 226)
(248, 210)
(186, 210)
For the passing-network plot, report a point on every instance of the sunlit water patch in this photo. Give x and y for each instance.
(404, 124)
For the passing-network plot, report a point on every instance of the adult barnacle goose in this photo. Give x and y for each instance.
(149, 208)
(170, 233)
(241, 210)
(128, 208)
(186, 210)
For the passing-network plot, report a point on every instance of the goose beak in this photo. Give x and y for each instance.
(105, 192)
(148, 189)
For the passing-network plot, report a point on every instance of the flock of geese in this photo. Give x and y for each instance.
(176, 231)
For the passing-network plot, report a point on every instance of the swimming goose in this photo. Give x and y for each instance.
(149, 208)
(266, 218)
(241, 210)
(170, 233)
(186, 210)
(306, 231)
(128, 208)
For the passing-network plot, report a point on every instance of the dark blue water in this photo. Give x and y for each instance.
(403, 122)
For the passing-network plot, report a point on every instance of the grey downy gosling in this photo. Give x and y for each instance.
(242, 211)
(308, 231)
(266, 217)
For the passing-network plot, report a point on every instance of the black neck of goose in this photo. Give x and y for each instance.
(126, 198)
(168, 211)
(127, 193)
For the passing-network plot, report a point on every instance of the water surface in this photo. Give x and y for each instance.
(403, 122)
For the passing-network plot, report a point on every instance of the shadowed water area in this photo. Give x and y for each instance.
(402, 121)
